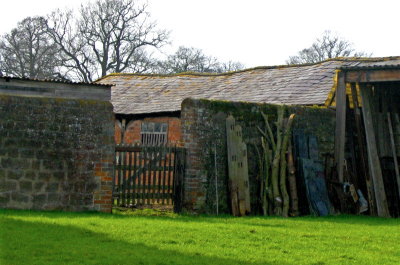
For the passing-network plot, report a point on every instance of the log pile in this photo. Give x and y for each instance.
(274, 162)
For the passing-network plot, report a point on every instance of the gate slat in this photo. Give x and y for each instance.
(119, 179)
(139, 176)
(168, 179)
(164, 163)
(151, 177)
(123, 202)
(129, 178)
(134, 176)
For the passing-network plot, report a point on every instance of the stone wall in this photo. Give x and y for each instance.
(204, 136)
(56, 152)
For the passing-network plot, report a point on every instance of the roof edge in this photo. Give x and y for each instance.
(342, 59)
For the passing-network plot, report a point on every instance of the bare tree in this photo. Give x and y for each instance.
(230, 66)
(27, 51)
(328, 46)
(108, 36)
(189, 59)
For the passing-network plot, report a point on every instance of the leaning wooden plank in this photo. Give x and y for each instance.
(373, 159)
(294, 199)
(232, 165)
(362, 150)
(393, 145)
(277, 198)
(244, 181)
(396, 129)
(237, 166)
(340, 134)
(283, 174)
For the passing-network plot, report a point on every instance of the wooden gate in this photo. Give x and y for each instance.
(148, 175)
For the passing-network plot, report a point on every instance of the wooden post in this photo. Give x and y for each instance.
(340, 133)
(373, 159)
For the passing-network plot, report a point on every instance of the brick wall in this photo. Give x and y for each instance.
(204, 136)
(55, 153)
(133, 128)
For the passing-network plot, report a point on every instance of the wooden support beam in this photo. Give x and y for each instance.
(377, 75)
(340, 132)
(373, 158)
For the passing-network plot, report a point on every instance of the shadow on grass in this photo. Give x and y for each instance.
(25, 242)
(222, 219)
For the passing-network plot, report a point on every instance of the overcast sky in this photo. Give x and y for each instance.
(254, 32)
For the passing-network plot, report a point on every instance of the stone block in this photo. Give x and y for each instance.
(53, 197)
(38, 186)
(39, 200)
(44, 176)
(52, 187)
(4, 199)
(20, 197)
(59, 175)
(25, 186)
(7, 185)
(30, 174)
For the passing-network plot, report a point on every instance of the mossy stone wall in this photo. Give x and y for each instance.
(56, 153)
(204, 136)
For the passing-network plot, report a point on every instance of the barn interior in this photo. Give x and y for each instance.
(367, 143)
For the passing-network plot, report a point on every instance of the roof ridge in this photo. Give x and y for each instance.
(338, 59)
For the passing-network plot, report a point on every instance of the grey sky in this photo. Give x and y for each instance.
(254, 32)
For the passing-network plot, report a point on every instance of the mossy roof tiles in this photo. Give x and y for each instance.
(307, 84)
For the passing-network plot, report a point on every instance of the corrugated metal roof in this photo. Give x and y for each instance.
(307, 84)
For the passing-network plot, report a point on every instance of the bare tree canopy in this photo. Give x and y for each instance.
(108, 36)
(28, 51)
(189, 59)
(328, 46)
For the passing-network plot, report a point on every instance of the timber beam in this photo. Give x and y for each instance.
(370, 76)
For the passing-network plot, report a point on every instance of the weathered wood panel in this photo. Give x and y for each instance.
(238, 169)
(365, 76)
(373, 158)
(340, 133)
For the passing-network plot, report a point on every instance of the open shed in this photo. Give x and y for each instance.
(367, 143)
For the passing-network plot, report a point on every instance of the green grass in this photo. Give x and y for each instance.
(28, 237)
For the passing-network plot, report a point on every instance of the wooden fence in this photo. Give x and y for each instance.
(148, 175)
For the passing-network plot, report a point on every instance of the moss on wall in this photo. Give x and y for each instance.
(204, 131)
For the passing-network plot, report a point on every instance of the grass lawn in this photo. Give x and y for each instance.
(29, 237)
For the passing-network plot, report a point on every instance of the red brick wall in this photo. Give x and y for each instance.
(132, 131)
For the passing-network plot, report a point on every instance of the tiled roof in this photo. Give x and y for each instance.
(307, 84)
